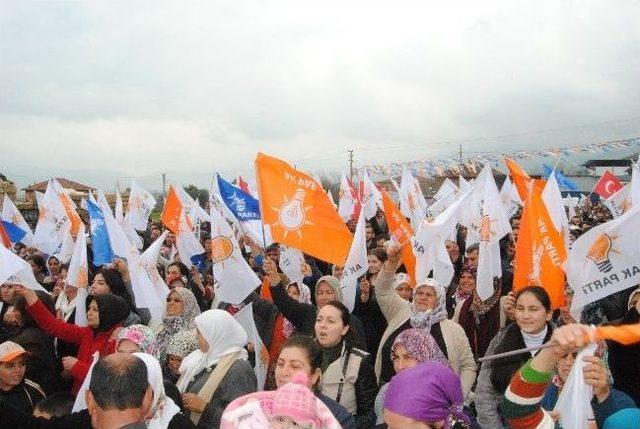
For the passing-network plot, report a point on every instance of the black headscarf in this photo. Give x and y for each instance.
(112, 309)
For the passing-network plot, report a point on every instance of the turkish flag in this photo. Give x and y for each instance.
(607, 185)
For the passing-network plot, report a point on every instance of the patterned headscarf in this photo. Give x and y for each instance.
(174, 324)
(427, 318)
(420, 345)
(305, 297)
(141, 336)
(334, 283)
(182, 343)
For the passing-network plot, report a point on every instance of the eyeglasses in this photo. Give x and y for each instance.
(169, 299)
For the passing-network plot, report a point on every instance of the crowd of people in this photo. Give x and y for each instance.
(405, 357)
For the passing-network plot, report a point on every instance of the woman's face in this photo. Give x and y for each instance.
(374, 264)
(54, 266)
(128, 346)
(291, 361)
(293, 292)
(402, 359)
(336, 271)
(7, 293)
(425, 298)
(324, 294)
(453, 250)
(99, 286)
(93, 315)
(369, 233)
(329, 326)
(564, 365)
(174, 362)
(203, 344)
(467, 283)
(397, 421)
(35, 267)
(12, 373)
(531, 316)
(71, 292)
(405, 291)
(175, 304)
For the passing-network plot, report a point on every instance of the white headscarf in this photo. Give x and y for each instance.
(65, 306)
(427, 318)
(224, 335)
(162, 408)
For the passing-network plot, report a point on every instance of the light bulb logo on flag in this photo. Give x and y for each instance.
(600, 250)
(292, 214)
(221, 249)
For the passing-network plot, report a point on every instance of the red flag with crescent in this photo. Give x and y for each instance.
(608, 185)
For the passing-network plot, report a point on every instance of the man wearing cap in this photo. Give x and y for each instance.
(21, 393)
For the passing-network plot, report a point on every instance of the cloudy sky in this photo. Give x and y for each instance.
(106, 91)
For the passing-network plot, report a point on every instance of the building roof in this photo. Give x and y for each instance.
(65, 183)
(608, 163)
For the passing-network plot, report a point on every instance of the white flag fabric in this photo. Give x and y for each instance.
(78, 271)
(445, 189)
(463, 184)
(235, 279)
(346, 199)
(15, 270)
(118, 210)
(510, 199)
(245, 319)
(191, 207)
(356, 264)
(11, 214)
(574, 401)
(371, 197)
(619, 202)
(604, 260)
(188, 245)
(80, 402)
(429, 244)
(552, 199)
(488, 223)
(412, 202)
(330, 195)
(290, 262)
(39, 198)
(65, 250)
(53, 222)
(140, 205)
(634, 191)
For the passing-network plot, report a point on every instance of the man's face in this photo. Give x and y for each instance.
(472, 258)
(7, 293)
(171, 238)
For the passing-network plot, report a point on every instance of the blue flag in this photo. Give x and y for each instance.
(563, 181)
(243, 206)
(102, 252)
(15, 233)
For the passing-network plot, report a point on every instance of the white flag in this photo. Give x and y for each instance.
(77, 273)
(11, 214)
(356, 264)
(604, 260)
(371, 197)
(139, 207)
(245, 319)
(412, 202)
(118, 211)
(15, 270)
(290, 262)
(552, 199)
(488, 224)
(619, 202)
(65, 250)
(190, 250)
(236, 280)
(39, 199)
(510, 199)
(53, 222)
(634, 191)
(429, 244)
(347, 200)
(445, 189)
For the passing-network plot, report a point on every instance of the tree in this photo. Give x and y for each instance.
(202, 195)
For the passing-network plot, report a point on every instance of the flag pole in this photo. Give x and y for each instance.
(264, 239)
(518, 352)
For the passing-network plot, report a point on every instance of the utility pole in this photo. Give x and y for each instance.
(164, 187)
(460, 154)
(351, 165)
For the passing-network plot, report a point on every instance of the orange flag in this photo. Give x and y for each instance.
(299, 212)
(4, 237)
(623, 334)
(540, 250)
(172, 211)
(402, 232)
(519, 177)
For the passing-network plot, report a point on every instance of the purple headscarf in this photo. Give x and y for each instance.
(420, 345)
(430, 392)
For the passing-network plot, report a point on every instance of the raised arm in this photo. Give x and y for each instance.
(389, 301)
(296, 312)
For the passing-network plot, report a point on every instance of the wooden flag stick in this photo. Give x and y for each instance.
(519, 351)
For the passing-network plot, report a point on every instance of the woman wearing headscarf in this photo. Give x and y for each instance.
(181, 311)
(430, 394)
(427, 311)
(481, 320)
(411, 348)
(178, 347)
(136, 339)
(105, 315)
(110, 280)
(217, 373)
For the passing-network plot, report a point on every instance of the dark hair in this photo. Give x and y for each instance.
(309, 345)
(473, 247)
(184, 271)
(56, 405)
(384, 237)
(294, 284)
(540, 294)
(38, 261)
(113, 278)
(381, 254)
(273, 246)
(349, 337)
(119, 381)
(20, 305)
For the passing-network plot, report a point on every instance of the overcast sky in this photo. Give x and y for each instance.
(105, 91)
